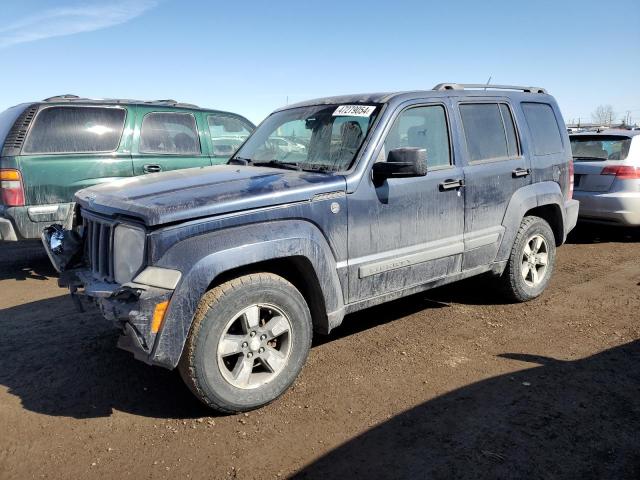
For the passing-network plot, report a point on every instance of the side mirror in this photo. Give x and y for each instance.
(402, 162)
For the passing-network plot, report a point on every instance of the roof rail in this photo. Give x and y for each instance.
(464, 86)
(67, 96)
(164, 100)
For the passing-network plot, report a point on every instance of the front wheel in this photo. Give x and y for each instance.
(249, 340)
(532, 260)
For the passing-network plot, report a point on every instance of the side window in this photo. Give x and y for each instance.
(227, 133)
(75, 130)
(544, 128)
(489, 131)
(422, 127)
(169, 133)
(510, 129)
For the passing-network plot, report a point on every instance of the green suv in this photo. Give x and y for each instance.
(53, 148)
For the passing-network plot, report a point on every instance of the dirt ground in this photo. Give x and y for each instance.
(450, 383)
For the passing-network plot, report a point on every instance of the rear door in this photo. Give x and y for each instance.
(70, 147)
(495, 168)
(167, 140)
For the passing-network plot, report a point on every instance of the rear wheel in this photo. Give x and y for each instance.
(532, 260)
(249, 340)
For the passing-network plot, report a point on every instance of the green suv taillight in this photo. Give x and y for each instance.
(11, 189)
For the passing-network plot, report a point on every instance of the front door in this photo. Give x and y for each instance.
(405, 232)
(166, 140)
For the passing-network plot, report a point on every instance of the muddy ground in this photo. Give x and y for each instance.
(451, 383)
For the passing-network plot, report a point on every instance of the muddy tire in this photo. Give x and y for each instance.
(248, 342)
(531, 261)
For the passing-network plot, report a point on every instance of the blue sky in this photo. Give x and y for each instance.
(248, 57)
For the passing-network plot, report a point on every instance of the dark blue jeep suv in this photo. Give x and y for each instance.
(224, 272)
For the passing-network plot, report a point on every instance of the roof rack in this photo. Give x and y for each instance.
(464, 86)
(175, 103)
(67, 96)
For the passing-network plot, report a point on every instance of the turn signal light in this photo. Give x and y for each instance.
(623, 172)
(158, 316)
(11, 189)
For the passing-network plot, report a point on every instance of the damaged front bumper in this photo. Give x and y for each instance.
(137, 309)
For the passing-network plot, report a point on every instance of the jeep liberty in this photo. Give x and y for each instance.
(224, 272)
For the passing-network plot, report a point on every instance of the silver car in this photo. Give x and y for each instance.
(607, 176)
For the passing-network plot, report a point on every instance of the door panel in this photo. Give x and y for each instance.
(489, 182)
(407, 231)
(167, 140)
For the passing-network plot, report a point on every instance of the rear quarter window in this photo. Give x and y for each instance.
(75, 130)
(544, 128)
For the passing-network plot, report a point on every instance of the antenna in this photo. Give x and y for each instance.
(488, 81)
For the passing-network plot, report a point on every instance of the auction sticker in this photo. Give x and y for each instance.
(354, 110)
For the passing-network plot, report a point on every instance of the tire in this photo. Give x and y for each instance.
(237, 360)
(517, 284)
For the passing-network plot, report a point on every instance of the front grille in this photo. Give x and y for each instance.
(99, 246)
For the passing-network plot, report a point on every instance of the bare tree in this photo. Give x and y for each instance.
(603, 115)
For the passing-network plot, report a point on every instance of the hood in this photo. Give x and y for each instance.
(192, 193)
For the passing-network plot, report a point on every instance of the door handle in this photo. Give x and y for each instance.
(451, 184)
(520, 172)
(151, 168)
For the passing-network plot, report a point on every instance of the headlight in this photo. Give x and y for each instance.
(128, 247)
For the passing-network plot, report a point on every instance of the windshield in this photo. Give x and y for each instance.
(320, 137)
(600, 147)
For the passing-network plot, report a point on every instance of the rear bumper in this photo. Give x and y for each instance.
(621, 208)
(7, 232)
(25, 223)
(571, 208)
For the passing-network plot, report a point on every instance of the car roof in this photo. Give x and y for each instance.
(166, 103)
(609, 132)
(442, 89)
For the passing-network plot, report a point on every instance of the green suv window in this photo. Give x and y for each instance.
(169, 133)
(227, 134)
(75, 130)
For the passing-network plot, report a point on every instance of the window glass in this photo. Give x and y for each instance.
(169, 133)
(484, 131)
(600, 147)
(227, 134)
(510, 129)
(544, 128)
(75, 130)
(422, 127)
(318, 137)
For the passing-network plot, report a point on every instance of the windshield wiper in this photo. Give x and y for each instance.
(310, 167)
(278, 164)
(583, 157)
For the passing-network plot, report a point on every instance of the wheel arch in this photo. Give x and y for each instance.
(295, 250)
(542, 199)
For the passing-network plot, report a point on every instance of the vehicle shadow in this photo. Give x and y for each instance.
(63, 363)
(24, 260)
(586, 233)
(553, 419)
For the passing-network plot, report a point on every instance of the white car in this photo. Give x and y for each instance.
(607, 176)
